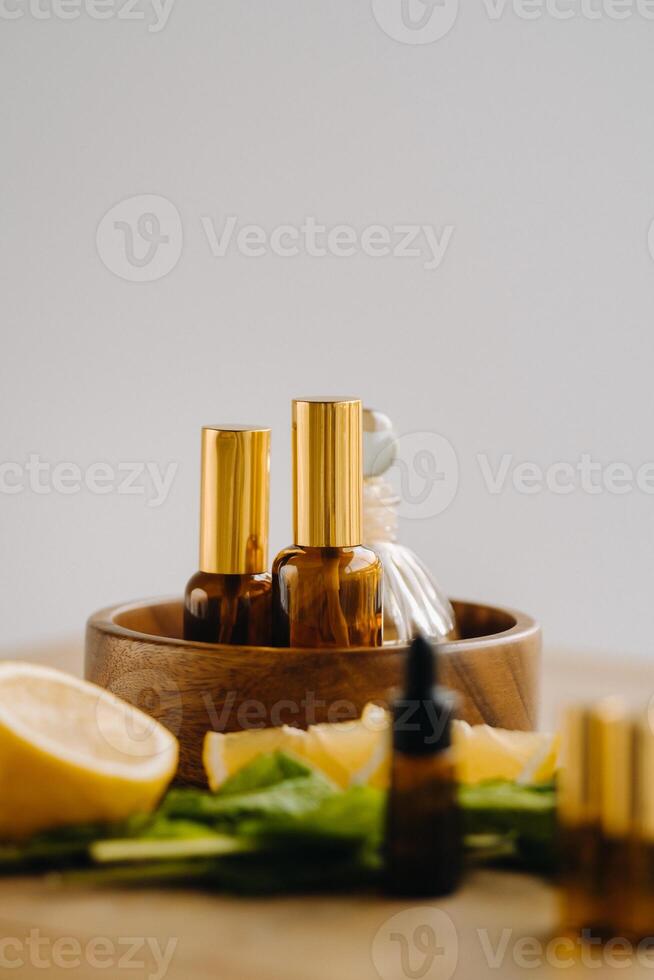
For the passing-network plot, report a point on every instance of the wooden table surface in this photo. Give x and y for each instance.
(499, 925)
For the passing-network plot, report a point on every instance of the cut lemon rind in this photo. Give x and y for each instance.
(72, 753)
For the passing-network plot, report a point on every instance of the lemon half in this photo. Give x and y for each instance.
(71, 752)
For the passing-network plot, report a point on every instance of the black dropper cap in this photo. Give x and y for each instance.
(422, 717)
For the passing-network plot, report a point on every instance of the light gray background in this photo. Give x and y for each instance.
(535, 140)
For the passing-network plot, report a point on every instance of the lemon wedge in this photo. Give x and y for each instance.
(71, 752)
(340, 749)
(359, 752)
(543, 765)
(484, 753)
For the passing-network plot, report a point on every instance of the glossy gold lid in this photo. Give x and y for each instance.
(580, 776)
(644, 796)
(617, 776)
(234, 500)
(327, 472)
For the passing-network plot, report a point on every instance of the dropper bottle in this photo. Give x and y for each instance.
(423, 831)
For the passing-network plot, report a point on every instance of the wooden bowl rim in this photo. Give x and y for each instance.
(104, 622)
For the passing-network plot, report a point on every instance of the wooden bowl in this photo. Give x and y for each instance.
(136, 651)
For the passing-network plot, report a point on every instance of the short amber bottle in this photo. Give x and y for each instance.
(423, 828)
(327, 588)
(229, 600)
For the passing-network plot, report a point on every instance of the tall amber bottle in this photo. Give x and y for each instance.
(229, 600)
(580, 832)
(327, 588)
(641, 872)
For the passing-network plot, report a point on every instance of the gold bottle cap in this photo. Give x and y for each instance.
(234, 500)
(327, 472)
(644, 795)
(616, 734)
(579, 778)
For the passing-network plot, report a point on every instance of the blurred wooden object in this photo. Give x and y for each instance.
(137, 652)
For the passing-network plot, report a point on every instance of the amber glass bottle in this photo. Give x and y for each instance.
(327, 588)
(229, 599)
(642, 855)
(423, 830)
(600, 804)
(579, 827)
